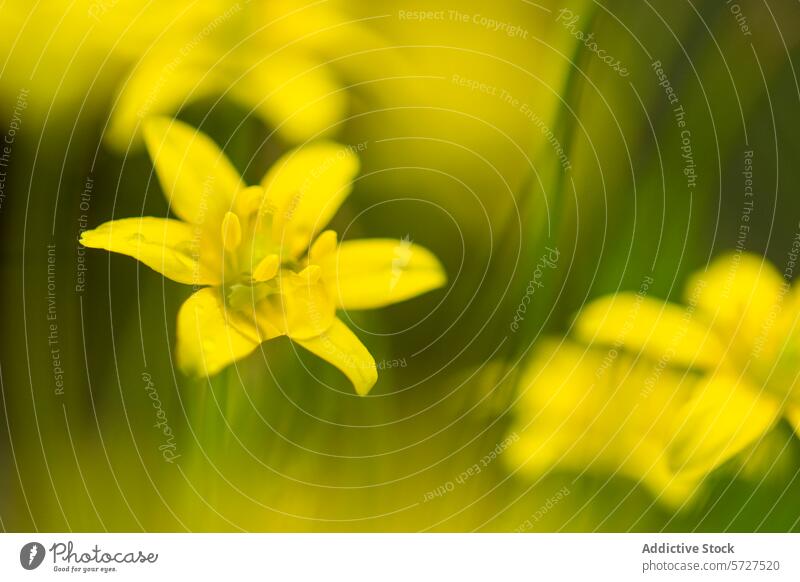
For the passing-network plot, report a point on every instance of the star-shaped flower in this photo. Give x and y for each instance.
(662, 393)
(264, 267)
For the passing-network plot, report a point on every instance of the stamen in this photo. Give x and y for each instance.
(267, 268)
(323, 246)
(231, 232)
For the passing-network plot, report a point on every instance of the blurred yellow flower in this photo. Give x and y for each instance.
(664, 394)
(272, 60)
(255, 250)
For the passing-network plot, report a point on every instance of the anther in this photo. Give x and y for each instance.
(231, 232)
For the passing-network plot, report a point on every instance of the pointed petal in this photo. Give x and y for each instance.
(724, 415)
(304, 189)
(340, 347)
(170, 247)
(735, 296)
(370, 273)
(300, 98)
(660, 330)
(211, 336)
(159, 85)
(776, 350)
(198, 180)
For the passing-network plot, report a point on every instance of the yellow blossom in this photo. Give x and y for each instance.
(259, 253)
(278, 60)
(661, 393)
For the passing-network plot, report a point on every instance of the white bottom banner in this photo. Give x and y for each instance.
(382, 557)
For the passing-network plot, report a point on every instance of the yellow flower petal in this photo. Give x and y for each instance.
(211, 336)
(325, 29)
(736, 295)
(663, 331)
(776, 351)
(304, 189)
(299, 97)
(724, 415)
(170, 247)
(198, 180)
(339, 346)
(160, 84)
(370, 273)
(582, 409)
(302, 309)
(250, 200)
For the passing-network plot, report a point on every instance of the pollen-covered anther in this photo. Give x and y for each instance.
(323, 246)
(231, 232)
(267, 268)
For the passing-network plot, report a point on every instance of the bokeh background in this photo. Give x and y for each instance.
(487, 132)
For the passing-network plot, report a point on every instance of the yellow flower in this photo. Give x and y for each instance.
(661, 393)
(279, 60)
(741, 320)
(265, 269)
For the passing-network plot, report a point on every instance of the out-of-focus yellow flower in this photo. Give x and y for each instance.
(741, 319)
(286, 61)
(272, 60)
(661, 393)
(255, 250)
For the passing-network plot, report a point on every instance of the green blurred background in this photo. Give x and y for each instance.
(461, 115)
